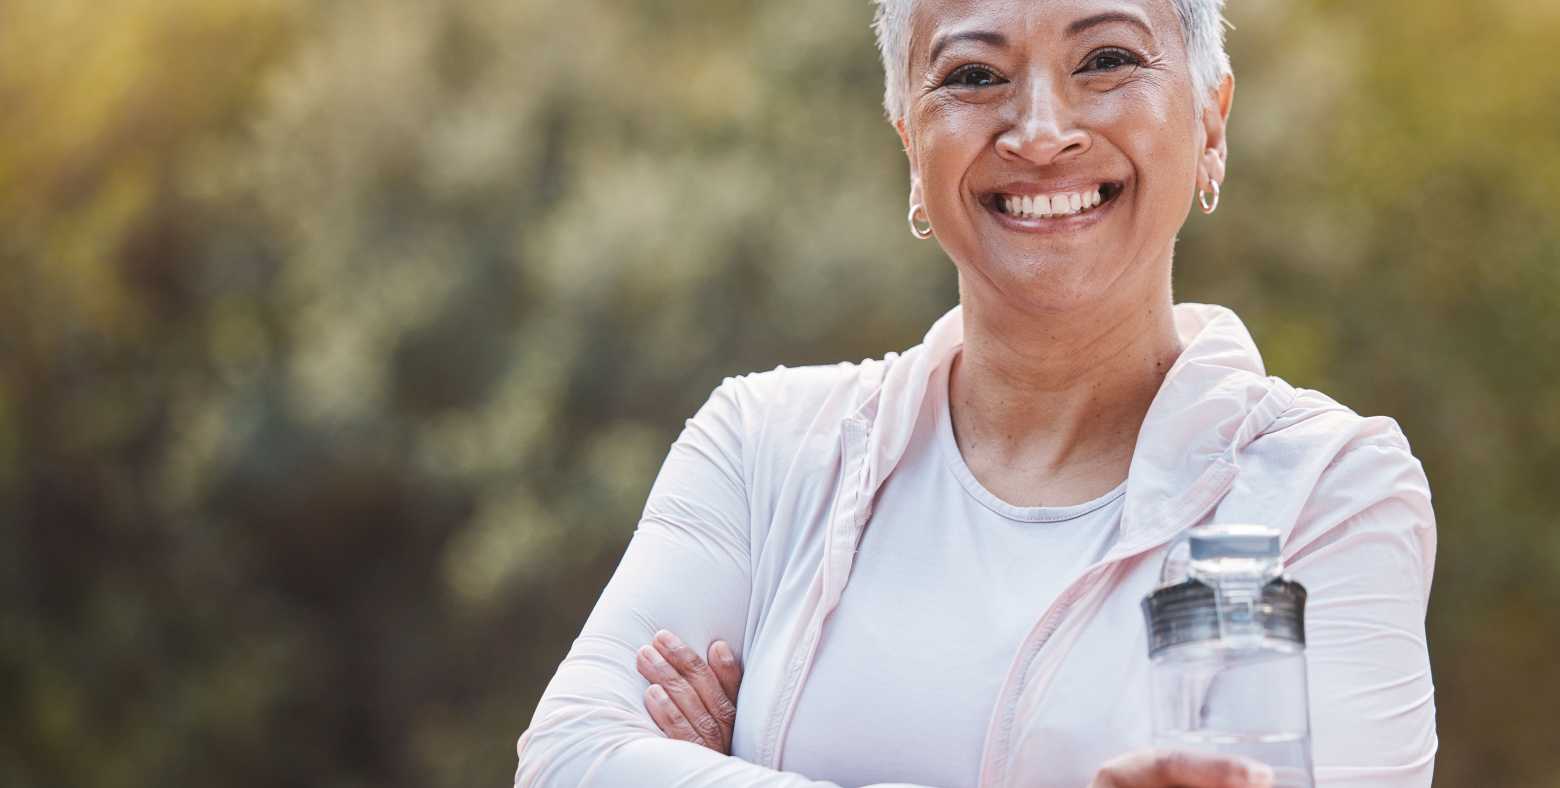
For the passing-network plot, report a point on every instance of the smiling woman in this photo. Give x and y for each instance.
(931, 563)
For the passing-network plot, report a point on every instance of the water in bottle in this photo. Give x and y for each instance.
(1226, 640)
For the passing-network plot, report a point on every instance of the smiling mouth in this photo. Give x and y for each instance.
(1054, 206)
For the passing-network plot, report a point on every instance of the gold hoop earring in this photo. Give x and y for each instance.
(1202, 197)
(915, 229)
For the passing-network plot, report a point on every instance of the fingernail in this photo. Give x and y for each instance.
(652, 656)
(723, 653)
(657, 694)
(667, 639)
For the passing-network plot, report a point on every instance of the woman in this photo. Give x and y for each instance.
(931, 563)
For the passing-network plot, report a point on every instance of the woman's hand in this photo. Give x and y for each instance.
(690, 698)
(1181, 769)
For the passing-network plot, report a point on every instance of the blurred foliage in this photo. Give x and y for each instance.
(340, 342)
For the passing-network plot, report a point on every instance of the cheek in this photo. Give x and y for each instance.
(1155, 129)
(948, 143)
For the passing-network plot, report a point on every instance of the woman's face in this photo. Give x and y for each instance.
(1021, 113)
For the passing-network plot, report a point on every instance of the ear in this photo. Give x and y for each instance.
(1215, 118)
(915, 177)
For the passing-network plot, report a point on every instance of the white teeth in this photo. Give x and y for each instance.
(1033, 206)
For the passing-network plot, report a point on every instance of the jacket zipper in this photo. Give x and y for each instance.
(780, 722)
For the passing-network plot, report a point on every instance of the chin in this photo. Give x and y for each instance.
(1051, 287)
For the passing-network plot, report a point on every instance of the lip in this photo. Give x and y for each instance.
(1048, 225)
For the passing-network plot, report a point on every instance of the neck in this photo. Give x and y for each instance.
(1061, 395)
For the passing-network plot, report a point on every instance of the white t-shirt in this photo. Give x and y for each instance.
(947, 582)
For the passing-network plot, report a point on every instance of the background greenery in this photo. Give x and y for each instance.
(340, 342)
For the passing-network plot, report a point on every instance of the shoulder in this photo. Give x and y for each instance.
(1317, 434)
(796, 397)
(1316, 419)
(1338, 466)
(771, 417)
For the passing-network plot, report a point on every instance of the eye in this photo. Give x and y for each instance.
(972, 76)
(1110, 60)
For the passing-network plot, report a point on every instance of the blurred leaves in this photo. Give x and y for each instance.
(340, 342)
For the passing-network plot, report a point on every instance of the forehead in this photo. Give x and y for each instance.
(1028, 19)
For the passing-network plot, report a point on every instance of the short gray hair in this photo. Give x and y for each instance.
(1202, 29)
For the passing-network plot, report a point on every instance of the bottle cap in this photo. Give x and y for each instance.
(1239, 541)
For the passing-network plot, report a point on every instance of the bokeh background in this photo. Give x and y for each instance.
(340, 342)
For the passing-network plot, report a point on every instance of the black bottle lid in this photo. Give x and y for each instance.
(1188, 612)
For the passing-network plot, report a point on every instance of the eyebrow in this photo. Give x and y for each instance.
(1080, 25)
(985, 36)
(994, 38)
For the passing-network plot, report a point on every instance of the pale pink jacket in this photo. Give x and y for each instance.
(752, 526)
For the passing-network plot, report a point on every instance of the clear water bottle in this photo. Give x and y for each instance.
(1226, 639)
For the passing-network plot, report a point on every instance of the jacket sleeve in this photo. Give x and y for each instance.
(687, 569)
(1365, 553)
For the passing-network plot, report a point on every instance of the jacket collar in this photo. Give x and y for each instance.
(1215, 399)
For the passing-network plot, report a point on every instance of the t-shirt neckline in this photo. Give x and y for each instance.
(961, 471)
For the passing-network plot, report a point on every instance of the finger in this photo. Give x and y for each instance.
(684, 696)
(1157, 768)
(667, 717)
(701, 677)
(1213, 771)
(726, 668)
(1132, 770)
(646, 668)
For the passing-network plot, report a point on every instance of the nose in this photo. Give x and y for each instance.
(1041, 126)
